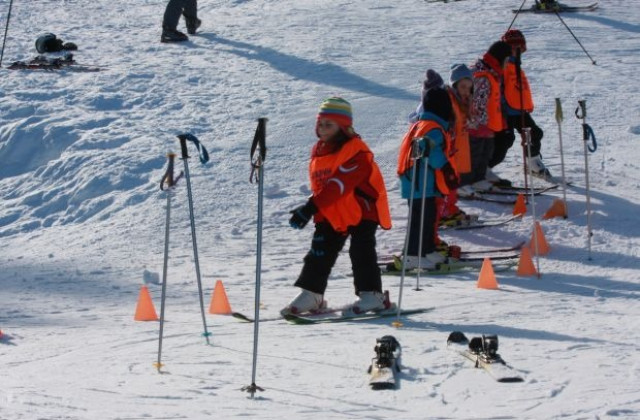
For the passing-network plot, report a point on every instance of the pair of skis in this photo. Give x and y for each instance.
(42, 62)
(560, 8)
(504, 195)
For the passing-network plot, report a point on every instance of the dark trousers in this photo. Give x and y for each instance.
(481, 152)
(428, 228)
(505, 139)
(176, 8)
(325, 247)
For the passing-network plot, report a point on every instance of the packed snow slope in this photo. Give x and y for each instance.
(82, 218)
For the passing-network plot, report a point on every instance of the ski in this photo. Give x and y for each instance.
(561, 8)
(483, 351)
(45, 63)
(386, 364)
(441, 1)
(500, 199)
(500, 263)
(389, 258)
(481, 223)
(514, 189)
(242, 317)
(332, 317)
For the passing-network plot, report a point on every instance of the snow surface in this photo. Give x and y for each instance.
(82, 218)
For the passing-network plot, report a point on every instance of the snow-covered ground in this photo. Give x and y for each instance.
(82, 218)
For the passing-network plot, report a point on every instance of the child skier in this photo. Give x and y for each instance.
(349, 200)
(433, 140)
(517, 103)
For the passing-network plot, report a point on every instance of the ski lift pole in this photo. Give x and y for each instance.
(517, 14)
(559, 118)
(414, 156)
(527, 134)
(204, 157)
(6, 29)
(168, 180)
(258, 155)
(575, 37)
(587, 134)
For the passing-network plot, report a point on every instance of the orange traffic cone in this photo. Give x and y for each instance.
(521, 206)
(145, 310)
(543, 247)
(525, 265)
(219, 301)
(487, 277)
(558, 209)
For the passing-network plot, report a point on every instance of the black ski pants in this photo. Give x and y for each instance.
(481, 149)
(325, 247)
(505, 139)
(176, 8)
(428, 228)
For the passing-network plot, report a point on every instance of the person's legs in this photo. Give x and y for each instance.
(364, 259)
(172, 14)
(325, 247)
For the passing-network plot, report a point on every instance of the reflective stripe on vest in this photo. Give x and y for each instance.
(346, 211)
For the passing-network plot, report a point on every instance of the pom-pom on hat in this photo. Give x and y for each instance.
(432, 80)
(459, 72)
(338, 110)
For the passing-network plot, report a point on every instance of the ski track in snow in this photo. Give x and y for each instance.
(82, 216)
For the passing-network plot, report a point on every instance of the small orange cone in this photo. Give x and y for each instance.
(145, 310)
(487, 277)
(219, 301)
(558, 209)
(521, 206)
(543, 247)
(525, 265)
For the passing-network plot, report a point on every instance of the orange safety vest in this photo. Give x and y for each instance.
(460, 137)
(512, 90)
(494, 110)
(346, 211)
(418, 130)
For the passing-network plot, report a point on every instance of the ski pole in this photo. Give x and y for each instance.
(258, 155)
(517, 14)
(559, 118)
(425, 163)
(525, 152)
(6, 29)
(527, 133)
(414, 156)
(170, 182)
(587, 134)
(204, 157)
(574, 37)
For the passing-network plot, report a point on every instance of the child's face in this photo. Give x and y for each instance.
(464, 88)
(327, 129)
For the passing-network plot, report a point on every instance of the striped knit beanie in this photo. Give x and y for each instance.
(338, 110)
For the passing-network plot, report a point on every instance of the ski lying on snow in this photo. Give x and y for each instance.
(386, 364)
(483, 352)
(562, 8)
(500, 263)
(481, 223)
(390, 258)
(337, 316)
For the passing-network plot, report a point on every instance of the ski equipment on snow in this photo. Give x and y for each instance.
(42, 62)
(204, 158)
(559, 118)
(483, 351)
(587, 134)
(257, 156)
(385, 364)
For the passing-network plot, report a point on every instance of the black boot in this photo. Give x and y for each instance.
(192, 24)
(172, 35)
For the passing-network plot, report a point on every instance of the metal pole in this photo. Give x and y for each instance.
(582, 106)
(425, 162)
(6, 29)
(257, 170)
(559, 118)
(185, 157)
(527, 132)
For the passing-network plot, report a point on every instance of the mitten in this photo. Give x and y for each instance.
(301, 215)
(450, 176)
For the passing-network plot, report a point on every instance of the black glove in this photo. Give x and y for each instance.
(301, 215)
(450, 176)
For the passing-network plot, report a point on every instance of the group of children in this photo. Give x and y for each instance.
(458, 133)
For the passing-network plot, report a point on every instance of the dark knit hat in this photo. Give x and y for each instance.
(437, 101)
(459, 72)
(432, 80)
(516, 39)
(500, 50)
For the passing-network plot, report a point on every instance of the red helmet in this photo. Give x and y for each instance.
(515, 38)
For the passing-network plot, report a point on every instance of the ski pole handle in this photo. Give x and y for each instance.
(259, 140)
(559, 115)
(581, 110)
(204, 155)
